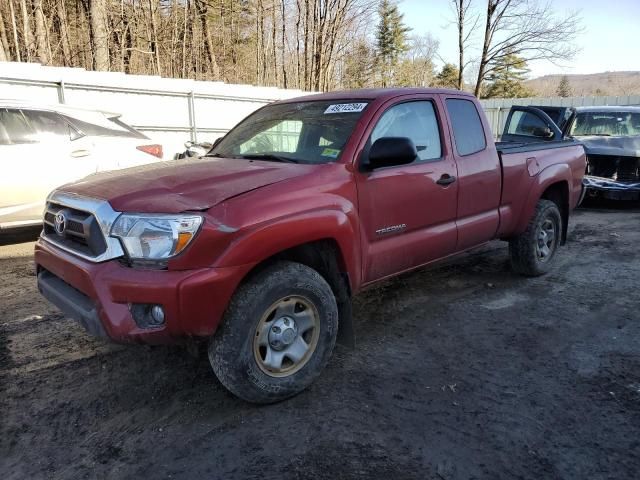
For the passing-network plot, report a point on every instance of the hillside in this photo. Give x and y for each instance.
(597, 84)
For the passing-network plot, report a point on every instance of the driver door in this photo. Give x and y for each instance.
(408, 212)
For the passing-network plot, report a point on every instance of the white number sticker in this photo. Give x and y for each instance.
(345, 108)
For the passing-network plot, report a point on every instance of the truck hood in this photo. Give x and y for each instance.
(614, 146)
(180, 185)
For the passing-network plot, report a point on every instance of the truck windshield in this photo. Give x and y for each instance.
(304, 132)
(614, 124)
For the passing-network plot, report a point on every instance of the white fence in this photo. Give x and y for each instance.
(174, 110)
(169, 110)
(498, 109)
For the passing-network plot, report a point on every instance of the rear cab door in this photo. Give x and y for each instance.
(479, 172)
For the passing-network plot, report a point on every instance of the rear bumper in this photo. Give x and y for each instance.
(100, 296)
(609, 188)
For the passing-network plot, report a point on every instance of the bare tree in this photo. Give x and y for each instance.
(27, 34)
(203, 12)
(63, 31)
(16, 43)
(525, 29)
(99, 34)
(416, 66)
(4, 41)
(466, 24)
(41, 32)
(284, 43)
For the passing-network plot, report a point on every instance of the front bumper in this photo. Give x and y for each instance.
(100, 295)
(611, 189)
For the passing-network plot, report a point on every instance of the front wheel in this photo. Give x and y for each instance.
(532, 252)
(277, 335)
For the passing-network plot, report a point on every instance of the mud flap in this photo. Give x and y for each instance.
(346, 333)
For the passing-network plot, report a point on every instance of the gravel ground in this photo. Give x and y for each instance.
(464, 371)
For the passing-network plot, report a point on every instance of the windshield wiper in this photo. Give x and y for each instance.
(268, 157)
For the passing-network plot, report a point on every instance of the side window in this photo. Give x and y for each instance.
(48, 124)
(467, 126)
(416, 120)
(525, 123)
(16, 128)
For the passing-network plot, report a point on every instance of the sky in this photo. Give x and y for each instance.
(609, 41)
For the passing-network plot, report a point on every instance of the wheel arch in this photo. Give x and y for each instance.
(552, 184)
(325, 257)
(558, 193)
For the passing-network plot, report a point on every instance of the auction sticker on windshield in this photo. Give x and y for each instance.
(345, 108)
(330, 152)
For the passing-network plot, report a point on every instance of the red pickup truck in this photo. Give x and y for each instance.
(260, 244)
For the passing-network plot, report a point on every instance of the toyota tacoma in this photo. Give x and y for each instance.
(259, 245)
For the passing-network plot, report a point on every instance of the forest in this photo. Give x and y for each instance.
(315, 45)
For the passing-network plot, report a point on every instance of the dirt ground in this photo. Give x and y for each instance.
(465, 371)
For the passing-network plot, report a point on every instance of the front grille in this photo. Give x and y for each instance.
(621, 169)
(81, 231)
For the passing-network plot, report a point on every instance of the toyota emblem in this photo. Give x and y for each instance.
(60, 223)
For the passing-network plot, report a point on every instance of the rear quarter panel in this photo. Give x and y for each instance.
(528, 174)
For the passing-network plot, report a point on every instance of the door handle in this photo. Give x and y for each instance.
(446, 179)
(80, 153)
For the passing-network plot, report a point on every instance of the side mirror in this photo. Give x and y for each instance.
(391, 151)
(217, 141)
(545, 132)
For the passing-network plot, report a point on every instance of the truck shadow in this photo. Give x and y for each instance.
(21, 235)
(600, 204)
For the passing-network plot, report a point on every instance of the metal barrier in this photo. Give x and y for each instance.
(176, 110)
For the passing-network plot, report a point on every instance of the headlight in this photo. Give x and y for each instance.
(155, 237)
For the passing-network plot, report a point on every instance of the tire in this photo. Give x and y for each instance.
(529, 256)
(266, 325)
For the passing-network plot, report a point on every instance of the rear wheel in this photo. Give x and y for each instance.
(532, 252)
(277, 335)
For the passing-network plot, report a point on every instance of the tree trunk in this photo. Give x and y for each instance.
(26, 29)
(307, 18)
(5, 53)
(64, 33)
(99, 34)
(485, 48)
(15, 30)
(258, 43)
(274, 33)
(184, 39)
(155, 45)
(460, 43)
(210, 47)
(284, 65)
(41, 33)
